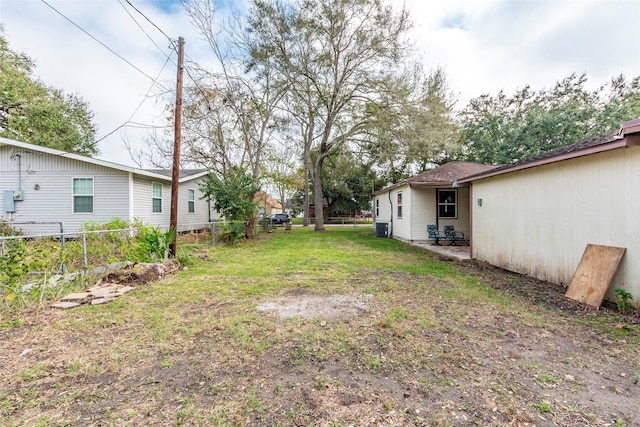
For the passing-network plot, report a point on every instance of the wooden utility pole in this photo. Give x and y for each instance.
(175, 173)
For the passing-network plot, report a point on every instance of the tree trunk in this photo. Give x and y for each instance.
(317, 195)
(307, 190)
(307, 167)
(249, 227)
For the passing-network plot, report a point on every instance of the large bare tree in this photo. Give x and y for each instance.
(334, 54)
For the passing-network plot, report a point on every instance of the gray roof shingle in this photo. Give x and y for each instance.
(183, 172)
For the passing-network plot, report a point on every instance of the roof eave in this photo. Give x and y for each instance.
(631, 127)
(193, 177)
(620, 143)
(435, 184)
(389, 188)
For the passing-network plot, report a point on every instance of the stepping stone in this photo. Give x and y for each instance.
(112, 295)
(107, 290)
(65, 305)
(125, 289)
(102, 286)
(78, 296)
(99, 301)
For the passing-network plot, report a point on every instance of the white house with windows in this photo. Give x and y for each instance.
(40, 184)
(433, 197)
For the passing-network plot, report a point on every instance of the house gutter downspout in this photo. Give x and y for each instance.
(390, 219)
(19, 172)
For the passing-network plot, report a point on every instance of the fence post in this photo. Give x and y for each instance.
(84, 252)
(213, 234)
(64, 267)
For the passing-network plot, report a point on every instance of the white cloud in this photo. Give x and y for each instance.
(71, 60)
(511, 44)
(484, 46)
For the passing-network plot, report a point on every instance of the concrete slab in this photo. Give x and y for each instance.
(455, 252)
(101, 286)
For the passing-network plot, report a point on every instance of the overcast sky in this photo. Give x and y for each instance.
(484, 46)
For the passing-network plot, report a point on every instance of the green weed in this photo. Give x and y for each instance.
(548, 379)
(543, 407)
(624, 299)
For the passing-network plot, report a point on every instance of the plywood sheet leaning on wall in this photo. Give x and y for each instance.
(594, 274)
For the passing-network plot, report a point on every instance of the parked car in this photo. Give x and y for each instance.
(277, 218)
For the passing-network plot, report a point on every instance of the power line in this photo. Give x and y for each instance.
(138, 125)
(174, 48)
(152, 23)
(145, 33)
(105, 46)
(155, 81)
(186, 69)
(172, 44)
(137, 108)
(134, 125)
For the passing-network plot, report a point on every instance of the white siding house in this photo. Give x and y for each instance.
(537, 216)
(433, 197)
(193, 209)
(39, 184)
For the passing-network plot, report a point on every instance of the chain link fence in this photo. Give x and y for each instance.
(201, 232)
(30, 229)
(36, 257)
(48, 250)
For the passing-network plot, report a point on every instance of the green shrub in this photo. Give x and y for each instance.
(6, 229)
(13, 269)
(233, 231)
(104, 248)
(153, 243)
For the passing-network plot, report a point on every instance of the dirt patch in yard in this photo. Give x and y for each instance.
(307, 305)
(543, 293)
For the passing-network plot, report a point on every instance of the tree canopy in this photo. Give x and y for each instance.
(347, 185)
(335, 57)
(233, 195)
(504, 129)
(33, 112)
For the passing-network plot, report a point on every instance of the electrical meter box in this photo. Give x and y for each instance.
(8, 202)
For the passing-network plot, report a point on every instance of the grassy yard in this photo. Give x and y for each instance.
(387, 334)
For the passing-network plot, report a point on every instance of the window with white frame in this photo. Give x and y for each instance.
(156, 197)
(400, 205)
(82, 195)
(447, 204)
(192, 200)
